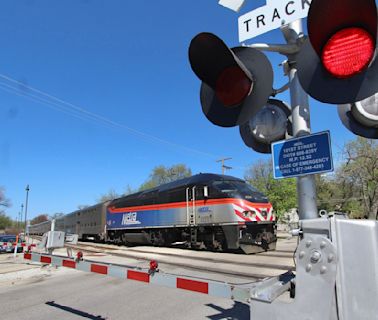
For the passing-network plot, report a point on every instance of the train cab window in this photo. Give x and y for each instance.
(238, 189)
(221, 189)
(200, 194)
(224, 186)
(205, 192)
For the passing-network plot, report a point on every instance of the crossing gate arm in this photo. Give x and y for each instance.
(15, 244)
(12, 244)
(241, 293)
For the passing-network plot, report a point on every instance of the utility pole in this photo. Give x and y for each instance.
(224, 167)
(26, 208)
(20, 218)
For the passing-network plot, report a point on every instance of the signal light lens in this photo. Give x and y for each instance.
(269, 124)
(366, 111)
(233, 86)
(348, 52)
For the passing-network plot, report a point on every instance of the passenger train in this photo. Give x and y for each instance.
(204, 211)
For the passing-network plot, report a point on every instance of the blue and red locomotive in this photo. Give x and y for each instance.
(208, 211)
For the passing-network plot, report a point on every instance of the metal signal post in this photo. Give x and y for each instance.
(300, 112)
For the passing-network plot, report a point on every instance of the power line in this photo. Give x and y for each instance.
(49, 104)
(83, 114)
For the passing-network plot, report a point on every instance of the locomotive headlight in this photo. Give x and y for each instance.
(249, 214)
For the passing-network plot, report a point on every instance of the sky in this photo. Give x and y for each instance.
(95, 93)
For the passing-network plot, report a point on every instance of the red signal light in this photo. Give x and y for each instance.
(348, 52)
(233, 86)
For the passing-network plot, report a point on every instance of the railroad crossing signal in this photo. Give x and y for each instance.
(236, 85)
(337, 63)
(236, 82)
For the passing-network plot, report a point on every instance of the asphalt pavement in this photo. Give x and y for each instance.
(69, 294)
(30, 291)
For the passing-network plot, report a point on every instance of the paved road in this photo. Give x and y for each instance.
(69, 294)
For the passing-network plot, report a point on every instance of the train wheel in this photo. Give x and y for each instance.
(217, 246)
(220, 243)
(157, 238)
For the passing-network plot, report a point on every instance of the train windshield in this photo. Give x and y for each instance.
(239, 189)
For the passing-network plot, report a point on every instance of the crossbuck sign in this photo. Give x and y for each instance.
(272, 16)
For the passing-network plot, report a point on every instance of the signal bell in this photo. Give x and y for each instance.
(236, 82)
(270, 124)
(337, 63)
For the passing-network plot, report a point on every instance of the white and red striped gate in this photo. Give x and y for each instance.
(146, 275)
(12, 245)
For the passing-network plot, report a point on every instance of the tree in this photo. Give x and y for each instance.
(40, 218)
(111, 195)
(329, 195)
(359, 175)
(129, 190)
(56, 215)
(161, 174)
(5, 221)
(281, 193)
(4, 202)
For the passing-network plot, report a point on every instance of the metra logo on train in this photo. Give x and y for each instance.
(130, 218)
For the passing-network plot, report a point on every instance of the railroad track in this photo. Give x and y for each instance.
(257, 266)
(253, 266)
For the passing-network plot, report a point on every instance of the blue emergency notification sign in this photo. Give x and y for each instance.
(301, 156)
